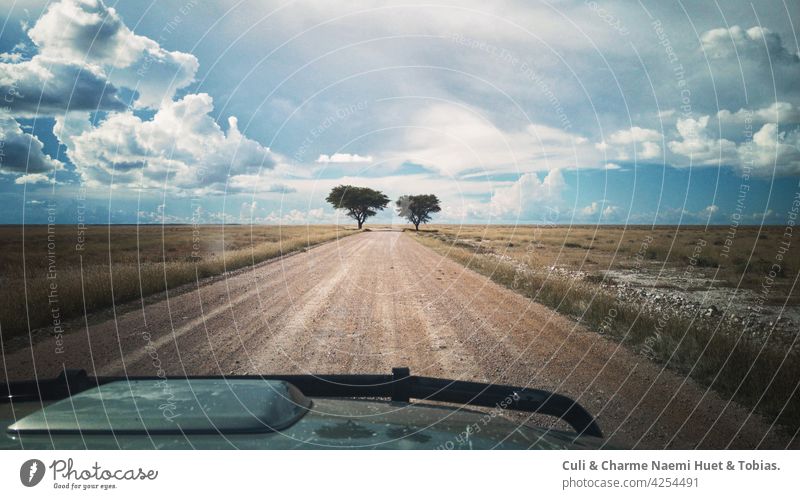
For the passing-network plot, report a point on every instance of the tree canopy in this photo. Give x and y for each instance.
(417, 209)
(358, 202)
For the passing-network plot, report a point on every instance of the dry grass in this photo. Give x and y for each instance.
(750, 253)
(123, 263)
(761, 376)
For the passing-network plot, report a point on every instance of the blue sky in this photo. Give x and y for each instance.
(249, 112)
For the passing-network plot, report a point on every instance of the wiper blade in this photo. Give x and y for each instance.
(400, 386)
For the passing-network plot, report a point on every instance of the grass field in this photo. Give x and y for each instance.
(758, 372)
(742, 262)
(59, 271)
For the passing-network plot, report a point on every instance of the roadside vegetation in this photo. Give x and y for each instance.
(46, 280)
(758, 372)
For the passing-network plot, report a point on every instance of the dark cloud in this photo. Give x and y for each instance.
(21, 152)
(47, 87)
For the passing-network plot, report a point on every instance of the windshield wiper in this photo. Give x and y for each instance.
(400, 386)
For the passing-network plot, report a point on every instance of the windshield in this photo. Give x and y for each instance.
(483, 206)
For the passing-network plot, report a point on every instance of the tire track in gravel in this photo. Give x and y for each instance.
(277, 296)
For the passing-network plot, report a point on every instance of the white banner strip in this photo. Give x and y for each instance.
(399, 474)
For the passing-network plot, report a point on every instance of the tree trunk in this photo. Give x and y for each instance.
(417, 227)
(360, 223)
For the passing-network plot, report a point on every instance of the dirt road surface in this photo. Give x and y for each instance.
(377, 300)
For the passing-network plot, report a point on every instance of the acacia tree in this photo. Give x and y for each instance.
(418, 209)
(358, 202)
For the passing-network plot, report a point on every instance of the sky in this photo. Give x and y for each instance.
(562, 112)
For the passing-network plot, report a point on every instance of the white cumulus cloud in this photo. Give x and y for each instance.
(777, 112)
(635, 142)
(752, 42)
(32, 178)
(528, 195)
(181, 147)
(340, 157)
(697, 143)
(771, 149)
(87, 32)
(605, 210)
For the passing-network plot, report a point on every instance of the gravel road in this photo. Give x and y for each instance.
(372, 301)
